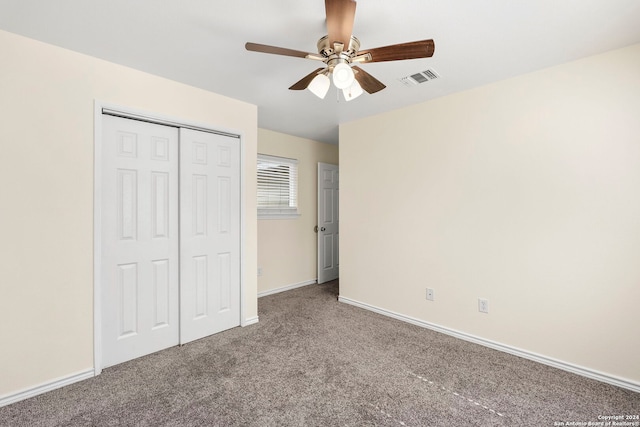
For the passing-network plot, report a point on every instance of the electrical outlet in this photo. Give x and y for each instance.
(483, 305)
(430, 294)
(259, 271)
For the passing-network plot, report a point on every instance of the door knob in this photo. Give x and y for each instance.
(322, 229)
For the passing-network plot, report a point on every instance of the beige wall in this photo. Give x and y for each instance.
(46, 197)
(525, 192)
(287, 247)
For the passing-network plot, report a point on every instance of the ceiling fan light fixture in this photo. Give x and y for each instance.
(353, 91)
(319, 86)
(343, 76)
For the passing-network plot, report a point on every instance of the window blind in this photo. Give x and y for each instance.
(277, 186)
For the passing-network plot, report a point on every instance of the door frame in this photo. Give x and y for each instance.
(101, 107)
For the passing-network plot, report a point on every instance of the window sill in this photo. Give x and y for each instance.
(278, 215)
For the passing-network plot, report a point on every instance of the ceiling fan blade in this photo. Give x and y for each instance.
(367, 81)
(397, 52)
(340, 16)
(255, 47)
(304, 82)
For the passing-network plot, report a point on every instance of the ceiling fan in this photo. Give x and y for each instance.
(340, 49)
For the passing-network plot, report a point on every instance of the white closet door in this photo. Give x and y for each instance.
(140, 259)
(209, 234)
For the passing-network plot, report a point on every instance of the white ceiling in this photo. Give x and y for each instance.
(201, 43)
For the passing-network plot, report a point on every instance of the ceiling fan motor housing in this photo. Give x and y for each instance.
(337, 54)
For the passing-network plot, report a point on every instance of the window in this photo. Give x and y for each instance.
(277, 187)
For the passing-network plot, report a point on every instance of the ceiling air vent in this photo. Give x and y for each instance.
(421, 77)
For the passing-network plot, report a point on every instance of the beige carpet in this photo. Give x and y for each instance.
(312, 361)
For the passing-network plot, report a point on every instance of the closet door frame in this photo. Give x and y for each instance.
(101, 108)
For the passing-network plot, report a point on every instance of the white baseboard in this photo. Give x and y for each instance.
(250, 321)
(287, 288)
(566, 366)
(45, 387)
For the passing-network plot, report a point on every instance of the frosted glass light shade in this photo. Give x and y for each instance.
(353, 91)
(343, 76)
(319, 85)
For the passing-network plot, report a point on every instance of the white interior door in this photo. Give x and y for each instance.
(140, 259)
(209, 234)
(328, 222)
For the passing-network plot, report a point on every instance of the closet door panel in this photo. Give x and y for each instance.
(209, 233)
(140, 258)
